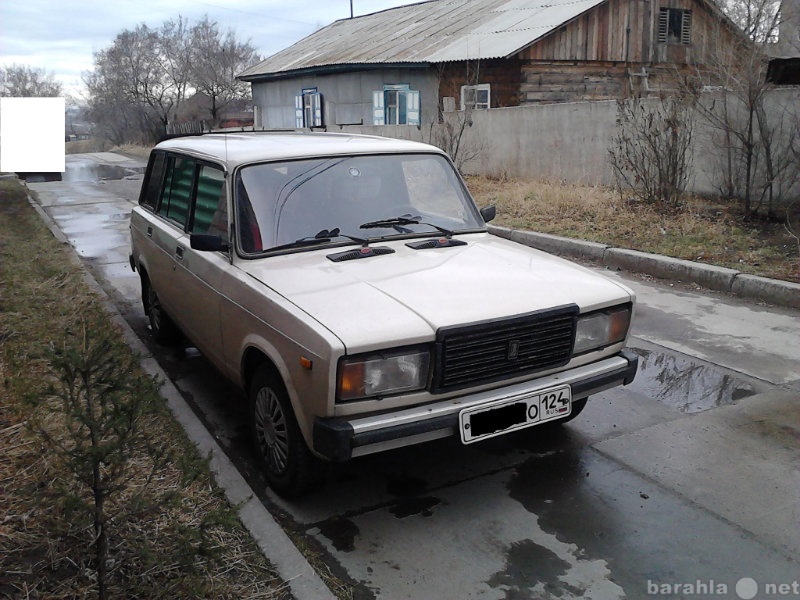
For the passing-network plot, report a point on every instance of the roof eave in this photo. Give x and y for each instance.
(330, 69)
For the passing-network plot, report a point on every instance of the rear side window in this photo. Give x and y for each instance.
(155, 179)
(211, 203)
(177, 195)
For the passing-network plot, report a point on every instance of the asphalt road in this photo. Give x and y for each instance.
(684, 484)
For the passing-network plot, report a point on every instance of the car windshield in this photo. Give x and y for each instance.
(316, 200)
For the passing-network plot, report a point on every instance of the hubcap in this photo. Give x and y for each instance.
(271, 431)
(154, 310)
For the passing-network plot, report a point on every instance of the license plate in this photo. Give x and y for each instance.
(505, 416)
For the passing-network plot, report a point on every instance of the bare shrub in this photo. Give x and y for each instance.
(451, 135)
(753, 124)
(650, 153)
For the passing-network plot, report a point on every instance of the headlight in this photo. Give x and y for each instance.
(602, 328)
(382, 374)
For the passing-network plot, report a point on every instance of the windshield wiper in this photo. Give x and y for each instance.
(336, 233)
(322, 237)
(403, 220)
(392, 222)
(301, 243)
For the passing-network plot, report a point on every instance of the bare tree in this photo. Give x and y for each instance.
(758, 19)
(140, 81)
(754, 129)
(216, 59)
(146, 69)
(23, 81)
(650, 153)
(792, 226)
(174, 55)
(450, 130)
(114, 115)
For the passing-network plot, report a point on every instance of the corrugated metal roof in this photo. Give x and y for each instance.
(429, 32)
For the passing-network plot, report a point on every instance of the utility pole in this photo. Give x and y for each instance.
(351, 9)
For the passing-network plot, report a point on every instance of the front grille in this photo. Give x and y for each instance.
(490, 351)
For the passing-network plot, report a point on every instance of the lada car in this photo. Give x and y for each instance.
(349, 285)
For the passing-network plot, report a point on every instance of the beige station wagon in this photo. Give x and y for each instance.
(349, 285)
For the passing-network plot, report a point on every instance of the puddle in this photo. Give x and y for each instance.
(341, 532)
(685, 385)
(518, 576)
(414, 506)
(404, 485)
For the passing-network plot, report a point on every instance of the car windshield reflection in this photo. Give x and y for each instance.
(280, 203)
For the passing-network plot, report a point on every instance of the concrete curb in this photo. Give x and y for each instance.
(279, 549)
(553, 243)
(774, 291)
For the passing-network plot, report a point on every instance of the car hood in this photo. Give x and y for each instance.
(404, 297)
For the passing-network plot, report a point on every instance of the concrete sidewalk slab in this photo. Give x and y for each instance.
(698, 457)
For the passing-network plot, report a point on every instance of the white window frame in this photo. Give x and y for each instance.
(473, 90)
(308, 108)
(395, 104)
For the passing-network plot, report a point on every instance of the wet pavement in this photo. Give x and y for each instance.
(688, 384)
(684, 481)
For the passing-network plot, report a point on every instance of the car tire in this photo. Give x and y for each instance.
(287, 463)
(162, 327)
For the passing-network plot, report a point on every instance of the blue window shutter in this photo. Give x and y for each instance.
(298, 111)
(412, 116)
(378, 114)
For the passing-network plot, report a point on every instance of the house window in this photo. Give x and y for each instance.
(476, 96)
(395, 105)
(308, 108)
(675, 26)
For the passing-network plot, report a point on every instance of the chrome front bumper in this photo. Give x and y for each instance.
(345, 438)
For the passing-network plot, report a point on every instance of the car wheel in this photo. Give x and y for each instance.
(289, 466)
(162, 327)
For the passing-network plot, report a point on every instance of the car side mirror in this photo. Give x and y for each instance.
(488, 213)
(208, 243)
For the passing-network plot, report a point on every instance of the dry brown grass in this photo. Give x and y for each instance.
(706, 230)
(83, 146)
(133, 150)
(179, 538)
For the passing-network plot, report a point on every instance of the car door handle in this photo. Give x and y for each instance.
(149, 232)
(179, 252)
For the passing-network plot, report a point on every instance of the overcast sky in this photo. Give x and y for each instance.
(61, 36)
